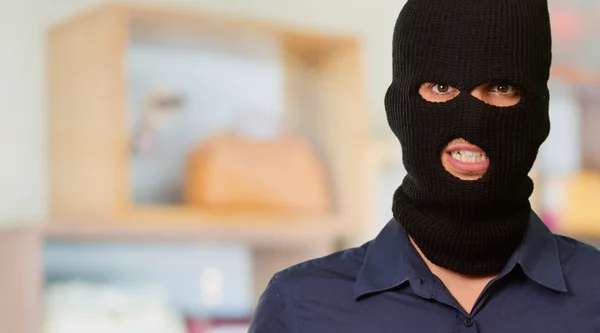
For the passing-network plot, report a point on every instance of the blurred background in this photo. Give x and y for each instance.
(161, 160)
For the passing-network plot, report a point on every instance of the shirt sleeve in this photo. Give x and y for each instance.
(274, 312)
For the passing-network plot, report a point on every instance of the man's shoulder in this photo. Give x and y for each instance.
(339, 266)
(580, 261)
(575, 252)
(323, 281)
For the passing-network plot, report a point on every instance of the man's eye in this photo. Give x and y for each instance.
(502, 88)
(442, 89)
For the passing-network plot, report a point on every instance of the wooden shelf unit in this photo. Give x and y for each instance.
(89, 149)
(89, 138)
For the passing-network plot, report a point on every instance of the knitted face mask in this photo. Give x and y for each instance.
(469, 227)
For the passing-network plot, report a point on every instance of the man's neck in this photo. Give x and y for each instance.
(465, 289)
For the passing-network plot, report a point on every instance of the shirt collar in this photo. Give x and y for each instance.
(391, 260)
(538, 256)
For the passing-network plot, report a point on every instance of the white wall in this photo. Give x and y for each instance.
(22, 81)
(22, 121)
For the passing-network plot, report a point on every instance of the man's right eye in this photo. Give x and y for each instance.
(442, 89)
(437, 92)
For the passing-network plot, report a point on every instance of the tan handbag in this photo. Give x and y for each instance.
(233, 173)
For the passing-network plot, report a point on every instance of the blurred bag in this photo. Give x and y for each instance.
(284, 175)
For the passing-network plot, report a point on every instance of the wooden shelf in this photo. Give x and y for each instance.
(256, 230)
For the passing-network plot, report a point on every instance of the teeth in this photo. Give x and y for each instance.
(467, 156)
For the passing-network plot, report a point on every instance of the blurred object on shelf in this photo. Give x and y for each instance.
(217, 325)
(258, 125)
(200, 280)
(236, 173)
(159, 106)
(581, 213)
(76, 307)
(218, 85)
(576, 75)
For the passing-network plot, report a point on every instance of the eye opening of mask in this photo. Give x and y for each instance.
(437, 92)
(499, 93)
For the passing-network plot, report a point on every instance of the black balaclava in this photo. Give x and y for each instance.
(469, 227)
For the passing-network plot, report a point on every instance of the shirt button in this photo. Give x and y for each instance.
(468, 322)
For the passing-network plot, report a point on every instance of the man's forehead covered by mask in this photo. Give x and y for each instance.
(468, 42)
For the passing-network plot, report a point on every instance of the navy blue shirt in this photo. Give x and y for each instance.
(551, 284)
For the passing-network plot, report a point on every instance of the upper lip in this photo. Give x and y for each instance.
(463, 146)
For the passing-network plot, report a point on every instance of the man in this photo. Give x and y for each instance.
(464, 252)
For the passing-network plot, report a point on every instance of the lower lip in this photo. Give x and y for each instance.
(467, 167)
